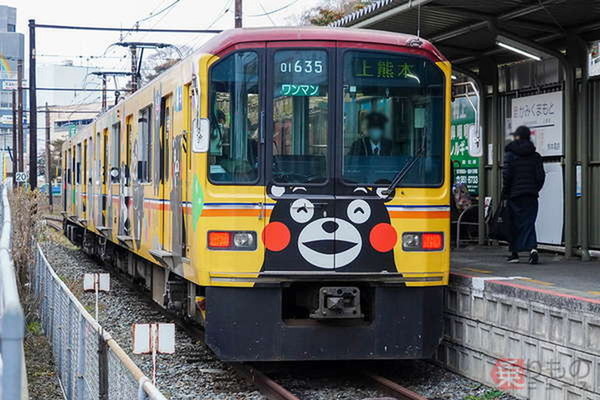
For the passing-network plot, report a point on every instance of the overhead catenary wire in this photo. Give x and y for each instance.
(267, 13)
(152, 15)
(115, 29)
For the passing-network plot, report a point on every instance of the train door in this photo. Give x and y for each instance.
(82, 194)
(166, 165)
(124, 229)
(84, 199)
(104, 180)
(301, 232)
(181, 175)
(72, 197)
(66, 179)
(114, 176)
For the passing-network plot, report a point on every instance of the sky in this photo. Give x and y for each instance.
(87, 47)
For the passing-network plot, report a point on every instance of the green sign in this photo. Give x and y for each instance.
(72, 130)
(465, 167)
(299, 90)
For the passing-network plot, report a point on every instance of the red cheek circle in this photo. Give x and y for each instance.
(383, 237)
(276, 236)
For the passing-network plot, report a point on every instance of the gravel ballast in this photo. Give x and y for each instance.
(194, 373)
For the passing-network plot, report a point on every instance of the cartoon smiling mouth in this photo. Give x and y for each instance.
(329, 243)
(330, 246)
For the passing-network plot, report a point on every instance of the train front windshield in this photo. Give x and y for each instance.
(393, 110)
(358, 120)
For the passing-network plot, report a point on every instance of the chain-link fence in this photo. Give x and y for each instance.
(89, 363)
(12, 365)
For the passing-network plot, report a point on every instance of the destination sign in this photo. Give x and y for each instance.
(383, 68)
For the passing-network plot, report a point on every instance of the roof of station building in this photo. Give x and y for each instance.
(466, 30)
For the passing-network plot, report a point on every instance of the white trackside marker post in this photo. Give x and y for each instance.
(154, 338)
(96, 282)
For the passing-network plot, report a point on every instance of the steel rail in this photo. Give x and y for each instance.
(268, 387)
(394, 389)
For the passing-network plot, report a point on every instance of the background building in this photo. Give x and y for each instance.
(11, 53)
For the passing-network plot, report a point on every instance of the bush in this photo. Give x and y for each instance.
(26, 225)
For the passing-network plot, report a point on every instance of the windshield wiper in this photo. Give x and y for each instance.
(405, 170)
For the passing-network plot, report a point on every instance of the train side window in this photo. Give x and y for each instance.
(68, 166)
(144, 166)
(115, 155)
(78, 166)
(234, 119)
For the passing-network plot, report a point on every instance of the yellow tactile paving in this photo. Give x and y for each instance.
(543, 283)
(481, 271)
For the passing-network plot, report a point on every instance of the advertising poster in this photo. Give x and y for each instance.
(465, 167)
(549, 223)
(543, 114)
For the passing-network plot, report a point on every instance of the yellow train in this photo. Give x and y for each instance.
(286, 188)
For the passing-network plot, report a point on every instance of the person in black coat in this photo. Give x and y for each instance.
(523, 178)
(373, 143)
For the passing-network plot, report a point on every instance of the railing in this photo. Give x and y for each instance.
(89, 363)
(12, 365)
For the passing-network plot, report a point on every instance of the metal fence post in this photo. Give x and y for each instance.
(81, 359)
(78, 369)
(69, 350)
(102, 368)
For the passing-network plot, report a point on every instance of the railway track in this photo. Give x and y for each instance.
(268, 387)
(392, 388)
(53, 221)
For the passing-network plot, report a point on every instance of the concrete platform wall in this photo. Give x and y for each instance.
(532, 343)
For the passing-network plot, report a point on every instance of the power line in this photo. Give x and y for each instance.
(192, 43)
(267, 13)
(158, 13)
(114, 29)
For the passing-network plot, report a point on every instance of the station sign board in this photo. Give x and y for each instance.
(465, 167)
(9, 84)
(543, 114)
(6, 119)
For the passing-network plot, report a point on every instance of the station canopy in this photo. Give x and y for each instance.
(466, 30)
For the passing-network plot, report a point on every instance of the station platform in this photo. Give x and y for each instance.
(555, 275)
(530, 330)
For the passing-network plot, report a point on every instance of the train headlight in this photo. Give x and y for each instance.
(422, 241)
(231, 240)
(411, 241)
(244, 240)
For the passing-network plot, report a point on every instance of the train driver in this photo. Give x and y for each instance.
(373, 143)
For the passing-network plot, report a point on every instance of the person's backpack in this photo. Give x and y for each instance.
(499, 225)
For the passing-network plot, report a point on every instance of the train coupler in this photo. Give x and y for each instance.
(338, 302)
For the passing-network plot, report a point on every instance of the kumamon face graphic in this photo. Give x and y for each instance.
(349, 233)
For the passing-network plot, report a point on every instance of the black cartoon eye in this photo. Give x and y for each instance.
(359, 211)
(302, 211)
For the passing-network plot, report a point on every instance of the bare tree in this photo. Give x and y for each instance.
(330, 11)
(161, 60)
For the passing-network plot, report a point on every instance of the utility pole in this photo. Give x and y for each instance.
(20, 140)
(32, 109)
(48, 159)
(238, 13)
(14, 136)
